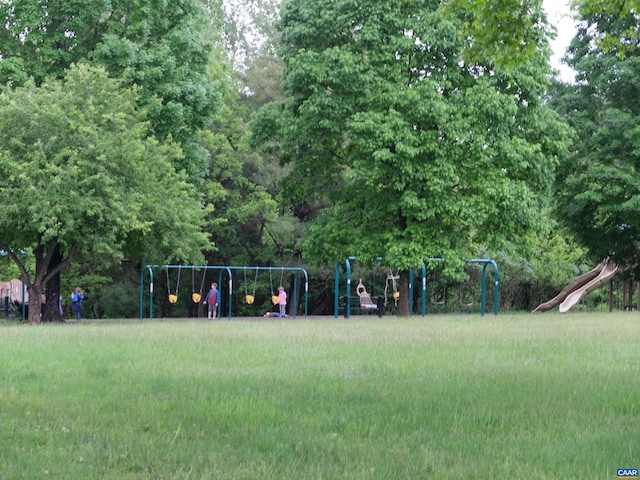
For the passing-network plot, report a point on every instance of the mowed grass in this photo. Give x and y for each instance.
(443, 397)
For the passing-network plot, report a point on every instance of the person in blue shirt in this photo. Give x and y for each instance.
(76, 303)
(211, 300)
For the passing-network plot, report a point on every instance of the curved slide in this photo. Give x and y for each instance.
(578, 283)
(607, 273)
(573, 293)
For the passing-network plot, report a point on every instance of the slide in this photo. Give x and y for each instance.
(607, 273)
(579, 282)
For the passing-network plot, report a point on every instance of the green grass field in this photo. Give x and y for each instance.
(444, 397)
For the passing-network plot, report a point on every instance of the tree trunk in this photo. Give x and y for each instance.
(52, 305)
(403, 289)
(35, 303)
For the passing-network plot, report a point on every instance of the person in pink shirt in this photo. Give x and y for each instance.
(282, 301)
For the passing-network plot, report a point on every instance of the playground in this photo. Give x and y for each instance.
(13, 298)
(239, 287)
(245, 291)
(177, 291)
(602, 275)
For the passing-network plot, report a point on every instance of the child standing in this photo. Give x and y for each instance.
(211, 300)
(76, 303)
(282, 301)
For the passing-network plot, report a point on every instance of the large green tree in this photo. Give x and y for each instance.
(415, 151)
(599, 185)
(162, 46)
(81, 177)
(165, 48)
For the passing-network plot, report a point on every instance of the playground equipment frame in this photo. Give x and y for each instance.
(347, 264)
(483, 291)
(484, 261)
(222, 269)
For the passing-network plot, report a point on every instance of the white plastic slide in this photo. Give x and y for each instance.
(606, 274)
(579, 282)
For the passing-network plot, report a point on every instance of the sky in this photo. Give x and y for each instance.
(559, 15)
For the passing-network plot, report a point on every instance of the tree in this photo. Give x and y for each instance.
(164, 47)
(92, 181)
(248, 227)
(414, 152)
(599, 184)
(618, 42)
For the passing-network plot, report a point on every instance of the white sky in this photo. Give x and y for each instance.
(559, 15)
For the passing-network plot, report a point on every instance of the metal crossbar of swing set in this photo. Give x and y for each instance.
(222, 269)
(484, 261)
(483, 290)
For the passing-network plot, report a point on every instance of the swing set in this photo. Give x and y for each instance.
(393, 278)
(440, 289)
(391, 292)
(196, 296)
(463, 300)
(173, 297)
(485, 262)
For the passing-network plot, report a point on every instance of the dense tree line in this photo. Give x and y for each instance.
(299, 134)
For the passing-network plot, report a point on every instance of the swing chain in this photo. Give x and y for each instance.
(173, 298)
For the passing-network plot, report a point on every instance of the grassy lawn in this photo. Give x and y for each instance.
(445, 397)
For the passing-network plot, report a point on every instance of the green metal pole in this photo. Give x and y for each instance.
(496, 283)
(347, 309)
(336, 290)
(424, 288)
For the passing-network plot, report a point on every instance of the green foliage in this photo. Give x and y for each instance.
(115, 300)
(536, 272)
(160, 46)
(8, 268)
(248, 228)
(599, 186)
(91, 181)
(619, 43)
(83, 165)
(509, 32)
(416, 153)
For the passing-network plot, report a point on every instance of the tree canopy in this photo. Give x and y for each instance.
(599, 185)
(415, 152)
(162, 46)
(421, 130)
(617, 41)
(81, 177)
